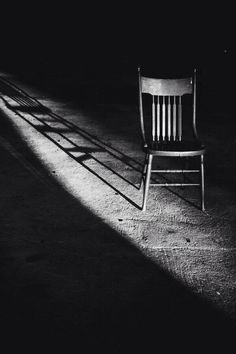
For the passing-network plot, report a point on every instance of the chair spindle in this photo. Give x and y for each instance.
(158, 118)
(180, 120)
(174, 118)
(169, 118)
(163, 118)
(153, 118)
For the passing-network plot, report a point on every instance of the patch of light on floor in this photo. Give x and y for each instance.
(162, 233)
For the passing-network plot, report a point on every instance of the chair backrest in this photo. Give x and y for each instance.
(166, 111)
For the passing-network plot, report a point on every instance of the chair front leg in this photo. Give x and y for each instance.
(202, 184)
(147, 181)
(144, 171)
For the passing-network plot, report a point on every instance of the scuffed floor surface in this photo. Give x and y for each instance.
(81, 264)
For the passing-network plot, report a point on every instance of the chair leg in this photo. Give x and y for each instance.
(202, 184)
(147, 181)
(143, 171)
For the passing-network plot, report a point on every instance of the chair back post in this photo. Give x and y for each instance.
(141, 108)
(195, 103)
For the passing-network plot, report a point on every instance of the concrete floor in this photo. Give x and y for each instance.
(81, 265)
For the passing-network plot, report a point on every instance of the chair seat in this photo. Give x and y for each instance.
(175, 148)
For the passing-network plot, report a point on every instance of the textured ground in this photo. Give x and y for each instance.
(79, 259)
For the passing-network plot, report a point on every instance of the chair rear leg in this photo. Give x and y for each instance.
(202, 184)
(147, 181)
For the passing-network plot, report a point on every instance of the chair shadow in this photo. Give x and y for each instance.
(24, 105)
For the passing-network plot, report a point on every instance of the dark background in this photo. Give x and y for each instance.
(94, 38)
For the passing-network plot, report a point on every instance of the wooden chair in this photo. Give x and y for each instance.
(165, 137)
